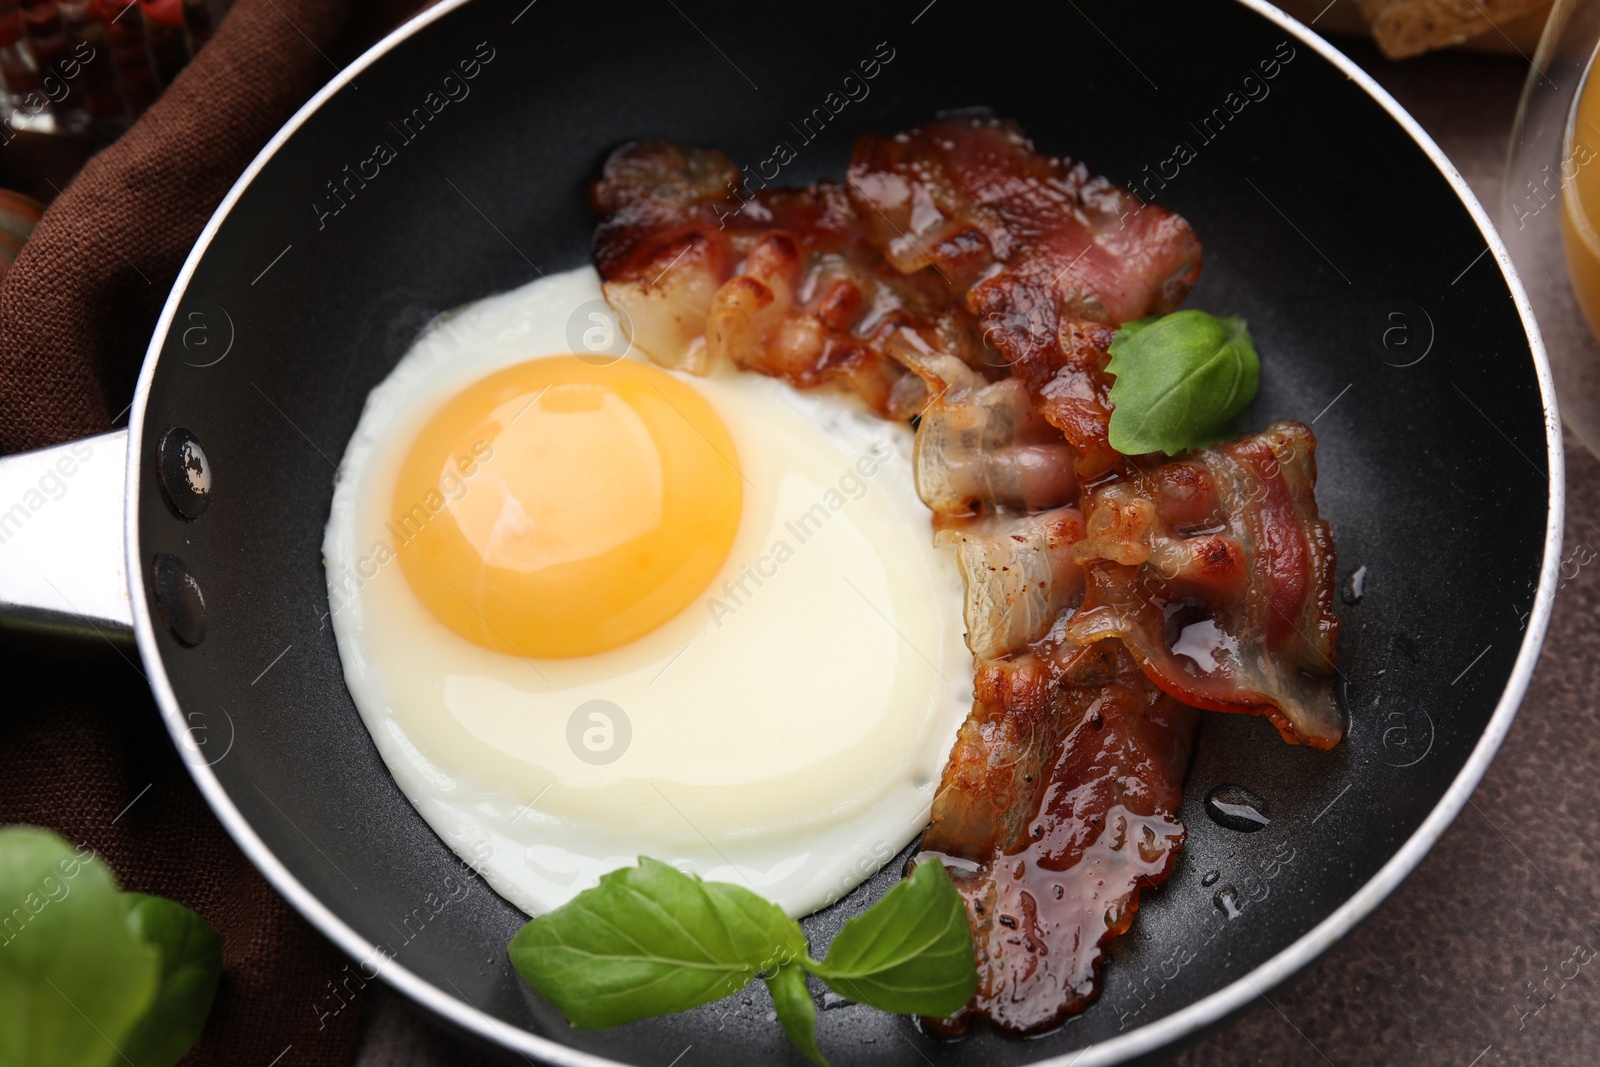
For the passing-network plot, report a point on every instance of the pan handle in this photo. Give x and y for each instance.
(63, 570)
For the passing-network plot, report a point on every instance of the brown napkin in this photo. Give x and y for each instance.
(84, 751)
(77, 309)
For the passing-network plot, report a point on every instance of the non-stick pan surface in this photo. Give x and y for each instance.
(1380, 305)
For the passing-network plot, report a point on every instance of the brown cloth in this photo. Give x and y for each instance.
(84, 750)
(77, 310)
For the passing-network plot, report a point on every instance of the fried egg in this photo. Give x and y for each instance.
(590, 609)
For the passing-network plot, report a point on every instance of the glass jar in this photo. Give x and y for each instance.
(1550, 210)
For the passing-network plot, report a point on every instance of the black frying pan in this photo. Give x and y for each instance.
(1383, 305)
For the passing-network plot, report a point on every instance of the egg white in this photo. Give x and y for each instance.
(785, 731)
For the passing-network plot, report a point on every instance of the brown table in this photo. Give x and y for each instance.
(1441, 974)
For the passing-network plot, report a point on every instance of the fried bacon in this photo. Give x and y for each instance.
(1027, 237)
(1047, 258)
(999, 481)
(782, 283)
(1064, 785)
(997, 766)
(965, 281)
(1217, 573)
(1051, 889)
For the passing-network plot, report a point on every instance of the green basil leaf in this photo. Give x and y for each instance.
(191, 966)
(73, 978)
(796, 1010)
(1180, 379)
(649, 940)
(911, 952)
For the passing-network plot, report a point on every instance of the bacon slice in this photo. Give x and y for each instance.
(1099, 777)
(997, 766)
(660, 248)
(781, 282)
(966, 196)
(1217, 572)
(999, 481)
(1045, 255)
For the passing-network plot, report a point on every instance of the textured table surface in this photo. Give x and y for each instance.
(1441, 973)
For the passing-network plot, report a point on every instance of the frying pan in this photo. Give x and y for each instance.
(1382, 301)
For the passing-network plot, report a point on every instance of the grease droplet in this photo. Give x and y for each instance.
(831, 1000)
(1210, 877)
(1227, 901)
(1236, 808)
(1356, 587)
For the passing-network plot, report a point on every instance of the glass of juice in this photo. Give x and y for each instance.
(1550, 209)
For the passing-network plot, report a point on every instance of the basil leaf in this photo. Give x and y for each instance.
(649, 940)
(796, 1010)
(191, 966)
(1180, 379)
(910, 952)
(73, 978)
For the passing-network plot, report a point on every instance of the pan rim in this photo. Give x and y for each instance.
(1212, 1008)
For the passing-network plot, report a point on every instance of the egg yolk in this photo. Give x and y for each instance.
(557, 508)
